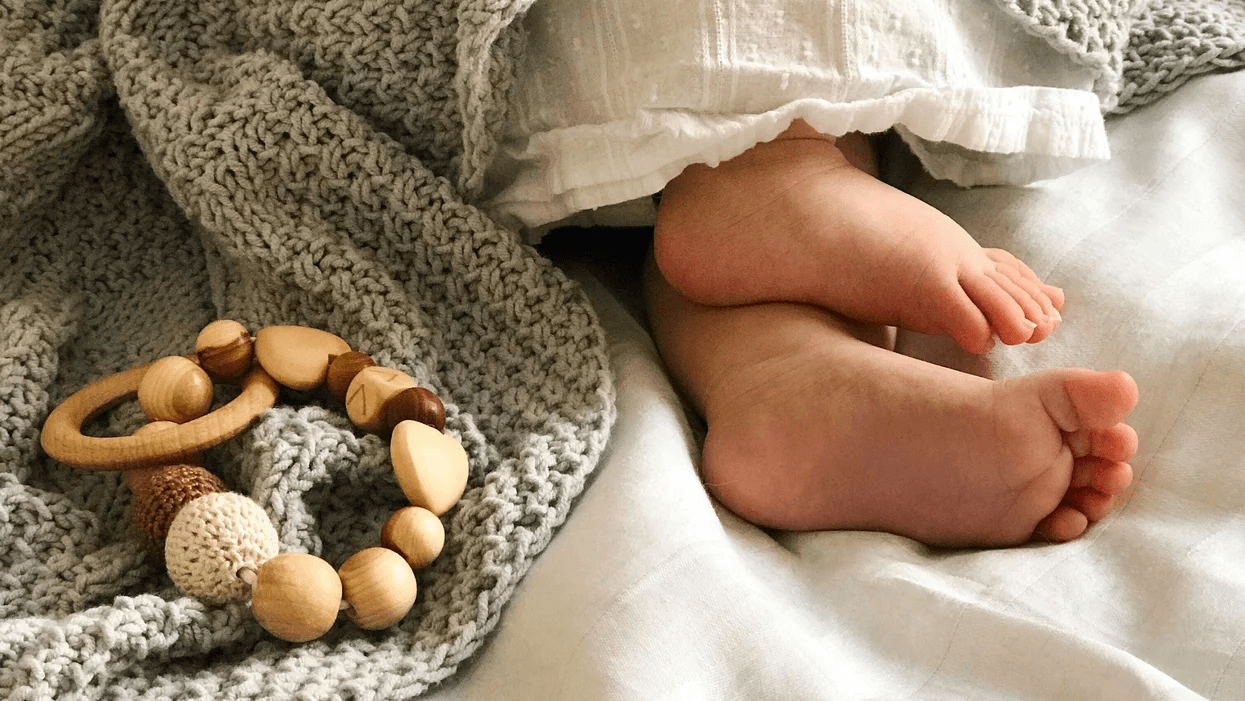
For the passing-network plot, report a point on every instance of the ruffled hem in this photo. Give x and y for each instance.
(971, 136)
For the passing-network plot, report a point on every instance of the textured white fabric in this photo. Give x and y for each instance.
(616, 97)
(651, 593)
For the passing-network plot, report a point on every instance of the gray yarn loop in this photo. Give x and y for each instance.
(163, 164)
(1141, 50)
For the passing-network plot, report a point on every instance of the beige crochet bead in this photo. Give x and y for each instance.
(212, 538)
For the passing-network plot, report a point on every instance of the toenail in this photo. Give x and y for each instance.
(1054, 314)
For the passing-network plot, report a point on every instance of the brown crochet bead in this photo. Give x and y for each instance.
(165, 491)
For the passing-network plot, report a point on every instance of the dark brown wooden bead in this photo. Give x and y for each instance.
(415, 404)
(342, 370)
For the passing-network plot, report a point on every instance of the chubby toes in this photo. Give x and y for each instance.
(1107, 477)
(1018, 306)
(1118, 442)
(1063, 524)
(1002, 311)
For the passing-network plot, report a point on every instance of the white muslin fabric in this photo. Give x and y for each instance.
(616, 97)
(651, 591)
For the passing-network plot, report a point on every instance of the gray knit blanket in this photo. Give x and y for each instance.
(164, 164)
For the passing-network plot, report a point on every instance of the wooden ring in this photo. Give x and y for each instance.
(62, 433)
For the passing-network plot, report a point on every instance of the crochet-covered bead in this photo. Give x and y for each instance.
(213, 538)
(165, 490)
(297, 596)
(415, 533)
(379, 586)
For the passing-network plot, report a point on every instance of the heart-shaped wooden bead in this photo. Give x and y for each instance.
(297, 356)
(431, 466)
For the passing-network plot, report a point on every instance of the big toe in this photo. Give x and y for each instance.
(1086, 400)
(1101, 399)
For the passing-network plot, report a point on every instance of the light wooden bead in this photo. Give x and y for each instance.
(415, 533)
(297, 356)
(297, 597)
(225, 349)
(175, 389)
(343, 370)
(431, 466)
(414, 404)
(379, 586)
(370, 389)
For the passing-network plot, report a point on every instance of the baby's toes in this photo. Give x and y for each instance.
(998, 302)
(1092, 503)
(1038, 306)
(1107, 477)
(1117, 443)
(1050, 299)
(1063, 524)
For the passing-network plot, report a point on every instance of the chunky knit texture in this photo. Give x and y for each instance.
(1140, 50)
(164, 164)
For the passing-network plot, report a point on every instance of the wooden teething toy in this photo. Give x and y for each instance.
(218, 543)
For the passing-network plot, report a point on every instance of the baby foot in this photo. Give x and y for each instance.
(836, 433)
(794, 220)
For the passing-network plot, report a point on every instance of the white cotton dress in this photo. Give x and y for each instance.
(616, 97)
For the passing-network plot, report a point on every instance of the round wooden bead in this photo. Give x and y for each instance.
(414, 404)
(297, 356)
(175, 389)
(342, 371)
(213, 538)
(225, 349)
(431, 466)
(370, 389)
(297, 596)
(415, 533)
(379, 586)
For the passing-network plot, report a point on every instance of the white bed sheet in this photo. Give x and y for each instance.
(651, 592)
